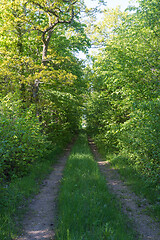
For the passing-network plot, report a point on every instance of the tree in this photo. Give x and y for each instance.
(38, 44)
(123, 110)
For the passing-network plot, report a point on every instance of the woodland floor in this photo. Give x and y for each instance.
(40, 220)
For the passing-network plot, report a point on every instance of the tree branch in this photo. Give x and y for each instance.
(50, 28)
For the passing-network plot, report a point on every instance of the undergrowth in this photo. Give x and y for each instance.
(86, 208)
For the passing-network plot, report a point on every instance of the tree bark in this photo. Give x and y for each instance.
(45, 47)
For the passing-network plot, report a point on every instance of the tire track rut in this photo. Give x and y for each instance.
(132, 205)
(39, 221)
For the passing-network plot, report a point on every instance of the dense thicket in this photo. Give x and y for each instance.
(41, 80)
(123, 111)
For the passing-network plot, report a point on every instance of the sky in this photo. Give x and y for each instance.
(111, 3)
(114, 3)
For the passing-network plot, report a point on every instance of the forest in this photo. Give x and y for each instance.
(48, 94)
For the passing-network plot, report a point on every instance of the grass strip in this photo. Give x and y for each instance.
(15, 196)
(86, 208)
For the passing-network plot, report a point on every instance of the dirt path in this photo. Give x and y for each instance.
(132, 205)
(39, 222)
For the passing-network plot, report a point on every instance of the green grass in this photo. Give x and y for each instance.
(86, 208)
(141, 186)
(15, 196)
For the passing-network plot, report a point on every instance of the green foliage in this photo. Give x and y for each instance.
(22, 141)
(48, 89)
(140, 138)
(123, 110)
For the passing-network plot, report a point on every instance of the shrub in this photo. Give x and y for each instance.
(22, 140)
(140, 138)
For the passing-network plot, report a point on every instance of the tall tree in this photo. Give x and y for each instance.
(123, 110)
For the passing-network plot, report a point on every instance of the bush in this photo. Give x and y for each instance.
(22, 140)
(107, 140)
(140, 138)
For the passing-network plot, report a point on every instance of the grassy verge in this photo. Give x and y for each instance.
(141, 186)
(15, 196)
(86, 208)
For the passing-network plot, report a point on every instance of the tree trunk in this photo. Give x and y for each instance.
(45, 48)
